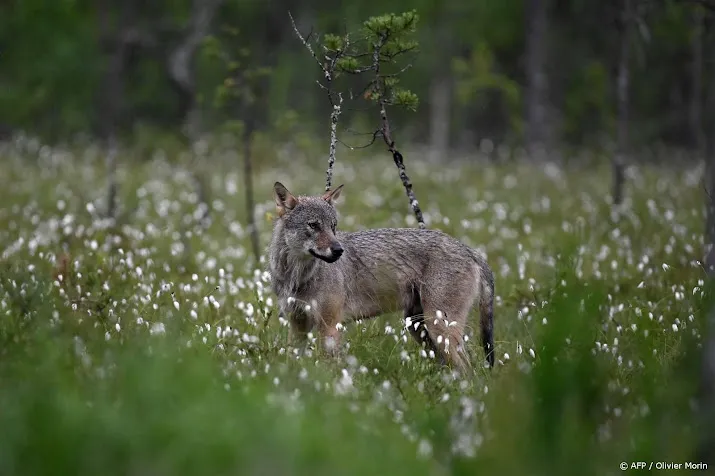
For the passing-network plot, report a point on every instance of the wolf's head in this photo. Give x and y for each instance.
(309, 223)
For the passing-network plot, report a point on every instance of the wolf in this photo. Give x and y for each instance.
(323, 277)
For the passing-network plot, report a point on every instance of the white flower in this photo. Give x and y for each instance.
(424, 449)
(157, 328)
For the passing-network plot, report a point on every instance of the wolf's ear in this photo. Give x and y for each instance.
(333, 194)
(285, 200)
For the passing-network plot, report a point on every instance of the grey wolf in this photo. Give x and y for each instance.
(323, 277)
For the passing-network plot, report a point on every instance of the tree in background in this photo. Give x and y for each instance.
(707, 389)
(537, 83)
(697, 71)
(626, 19)
(243, 95)
(486, 70)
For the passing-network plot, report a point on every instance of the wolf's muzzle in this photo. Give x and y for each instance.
(336, 251)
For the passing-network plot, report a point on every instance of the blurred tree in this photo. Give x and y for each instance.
(709, 178)
(625, 27)
(537, 85)
(181, 62)
(242, 97)
(696, 96)
(182, 74)
(477, 78)
(438, 18)
(540, 64)
(706, 451)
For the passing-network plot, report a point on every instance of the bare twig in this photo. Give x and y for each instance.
(333, 140)
(306, 43)
(328, 69)
(356, 147)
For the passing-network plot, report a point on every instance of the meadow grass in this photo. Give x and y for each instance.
(160, 349)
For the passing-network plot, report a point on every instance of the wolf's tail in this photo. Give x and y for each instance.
(486, 305)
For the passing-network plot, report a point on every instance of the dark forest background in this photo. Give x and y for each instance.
(619, 76)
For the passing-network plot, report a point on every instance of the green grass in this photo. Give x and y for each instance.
(161, 351)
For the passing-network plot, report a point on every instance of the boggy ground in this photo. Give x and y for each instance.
(160, 351)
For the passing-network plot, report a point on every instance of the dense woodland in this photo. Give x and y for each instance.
(617, 75)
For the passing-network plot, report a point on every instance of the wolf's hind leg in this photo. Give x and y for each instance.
(414, 318)
(419, 332)
(445, 325)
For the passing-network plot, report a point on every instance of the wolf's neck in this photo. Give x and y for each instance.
(291, 274)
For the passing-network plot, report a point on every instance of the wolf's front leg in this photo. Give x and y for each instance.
(300, 325)
(330, 315)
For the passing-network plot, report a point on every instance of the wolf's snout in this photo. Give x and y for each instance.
(329, 254)
(336, 249)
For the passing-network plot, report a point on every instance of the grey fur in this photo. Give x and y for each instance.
(418, 271)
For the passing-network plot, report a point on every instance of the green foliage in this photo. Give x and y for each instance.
(333, 43)
(53, 58)
(244, 76)
(391, 25)
(405, 98)
(50, 66)
(374, 52)
(477, 76)
(347, 64)
(584, 103)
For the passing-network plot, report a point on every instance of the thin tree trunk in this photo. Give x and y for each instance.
(536, 77)
(181, 61)
(248, 186)
(111, 163)
(440, 91)
(696, 98)
(623, 102)
(706, 451)
(709, 150)
(182, 73)
(112, 89)
(440, 95)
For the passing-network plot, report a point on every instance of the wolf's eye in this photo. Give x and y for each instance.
(313, 225)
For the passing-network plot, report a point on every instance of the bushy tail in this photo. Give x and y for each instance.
(486, 306)
(486, 319)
